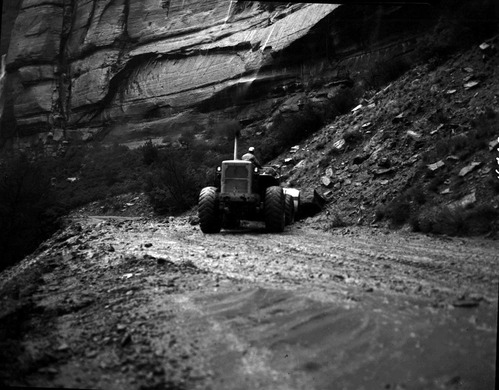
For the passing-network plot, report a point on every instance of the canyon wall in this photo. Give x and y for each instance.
(129, 70)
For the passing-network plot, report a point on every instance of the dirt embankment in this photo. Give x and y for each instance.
(149, 304)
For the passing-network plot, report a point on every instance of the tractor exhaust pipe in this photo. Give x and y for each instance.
(236, 136)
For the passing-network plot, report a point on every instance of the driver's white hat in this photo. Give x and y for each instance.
(251, 149)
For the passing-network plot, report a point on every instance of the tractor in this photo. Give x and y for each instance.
(246, 192)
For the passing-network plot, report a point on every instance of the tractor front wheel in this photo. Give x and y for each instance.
(274, 209)
(210, 219)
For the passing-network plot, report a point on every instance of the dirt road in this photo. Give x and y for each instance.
(152, 304)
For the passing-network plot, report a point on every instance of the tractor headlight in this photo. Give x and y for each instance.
(219, 169)
(256, 170)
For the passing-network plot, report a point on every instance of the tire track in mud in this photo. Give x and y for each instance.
(305, 309)
(325, 309)
(333, 262)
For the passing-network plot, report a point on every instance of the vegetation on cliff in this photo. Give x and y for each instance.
(29, 210)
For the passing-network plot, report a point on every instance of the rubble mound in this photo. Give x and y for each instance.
(427, 142)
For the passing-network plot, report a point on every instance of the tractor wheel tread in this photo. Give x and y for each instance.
(210, 219)
(274, 209)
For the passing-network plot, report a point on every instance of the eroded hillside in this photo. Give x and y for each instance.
(428, 139)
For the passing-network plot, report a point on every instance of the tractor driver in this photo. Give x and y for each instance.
(250, 156)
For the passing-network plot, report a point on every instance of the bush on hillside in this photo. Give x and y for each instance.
(461, 24)
(397, 211)
(100, 172)
(385, 71)
(29, 210)
(484, 127)
(402, 208)
(335, 221)
(225, 129)
(149, 153)
(457, 220)
(288, 129)
(353, 136)
(343, 101)
(174, 182)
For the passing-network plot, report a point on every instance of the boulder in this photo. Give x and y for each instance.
(435, 166)
(312, 202)
(360, 158)
(494, 144)
(414, 135)
(469, 168)
(384, 162)
(464, 202)
(326, 181)
(339, 145)
(471, 84)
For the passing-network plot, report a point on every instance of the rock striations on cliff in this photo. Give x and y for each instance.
(139, 68)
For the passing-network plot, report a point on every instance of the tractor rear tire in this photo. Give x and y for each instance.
(274, 209)
(210, 218)
(289, 207)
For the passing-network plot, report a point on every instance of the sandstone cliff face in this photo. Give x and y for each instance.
(134, 69)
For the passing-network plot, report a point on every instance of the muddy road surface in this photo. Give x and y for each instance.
(155, 304)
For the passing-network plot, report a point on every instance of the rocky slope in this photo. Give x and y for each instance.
(427, 140)
(150, 69)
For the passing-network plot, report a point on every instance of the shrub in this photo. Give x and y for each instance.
(29, 210)
(423, 221)
(149, 153)
(336, 221)
(324, 161)
(174, 183)
(457, 143)
(493, 181)
(417, 195)
(398, 211)
(481, 219)
(111, 204)
(456, 220)
(449, 221)
(100, 171)
(344, 100)
(402, 209)
(226, 129)
(187, 138)
(379, 213)
(438, 180)
(385, 71)
(352, 136)
(461, 24)
(292, 128)
(484, 127)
